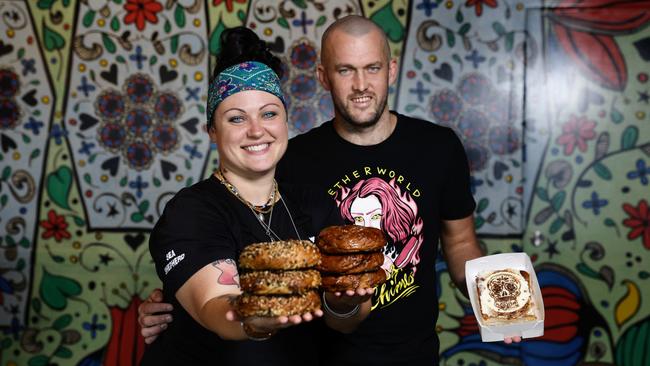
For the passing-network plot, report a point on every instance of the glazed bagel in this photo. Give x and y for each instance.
(353, 281)
(279, 283)
(350, 239)
(270, 306)
(350, 263)
(279, 255)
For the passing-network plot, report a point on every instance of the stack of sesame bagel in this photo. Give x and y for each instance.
(351, 257)
(278, 279)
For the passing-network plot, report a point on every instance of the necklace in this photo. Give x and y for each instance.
(261, 210)
(267, 227)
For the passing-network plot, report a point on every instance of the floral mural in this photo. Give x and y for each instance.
(101, 122)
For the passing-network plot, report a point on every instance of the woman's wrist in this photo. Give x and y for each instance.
(338, 315)
(256, 335)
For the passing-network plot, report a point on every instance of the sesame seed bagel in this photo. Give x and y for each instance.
(279, 255)
(353, 281)
(271, 306)
(350, 263)
(350, 239)
(279, 283)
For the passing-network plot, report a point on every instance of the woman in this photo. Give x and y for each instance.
(196, 242)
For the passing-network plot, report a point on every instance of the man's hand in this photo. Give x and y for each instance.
(349, 298)
(347, 309)
(515, 339)
(153, 316)
(273, 324)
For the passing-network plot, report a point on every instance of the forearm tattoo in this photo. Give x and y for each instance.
(229, 275)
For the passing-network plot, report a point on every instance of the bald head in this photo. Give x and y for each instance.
(354, 26)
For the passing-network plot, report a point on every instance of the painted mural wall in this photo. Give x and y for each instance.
(101, 122)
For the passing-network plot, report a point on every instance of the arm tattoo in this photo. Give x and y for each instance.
(229, 275)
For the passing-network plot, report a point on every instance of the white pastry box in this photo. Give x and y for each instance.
(515, 261)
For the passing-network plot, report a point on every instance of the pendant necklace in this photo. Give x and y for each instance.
(260, 211)
(267, 227)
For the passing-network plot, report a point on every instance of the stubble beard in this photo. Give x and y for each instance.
(354, 123)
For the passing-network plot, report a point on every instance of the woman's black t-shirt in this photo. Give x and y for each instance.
(205, 223)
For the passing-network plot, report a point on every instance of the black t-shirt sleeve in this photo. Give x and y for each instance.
(190, 234)
(457, 200)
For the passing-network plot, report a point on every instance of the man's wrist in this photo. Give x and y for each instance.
(256, 335)
(354, 311)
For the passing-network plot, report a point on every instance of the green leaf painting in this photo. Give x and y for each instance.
(58, 185)
(56, 290)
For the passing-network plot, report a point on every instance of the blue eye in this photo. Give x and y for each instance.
(236, 119)
(268, 115)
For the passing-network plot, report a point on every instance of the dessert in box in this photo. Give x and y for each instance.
(505, 296)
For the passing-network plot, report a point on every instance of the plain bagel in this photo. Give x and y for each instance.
(350, 263)
(350, 239)
(352, 281)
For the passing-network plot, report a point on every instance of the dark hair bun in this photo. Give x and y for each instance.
(241, 44)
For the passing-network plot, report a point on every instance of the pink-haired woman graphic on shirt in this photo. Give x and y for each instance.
(375, 203)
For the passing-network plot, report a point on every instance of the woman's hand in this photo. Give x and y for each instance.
(267, 326)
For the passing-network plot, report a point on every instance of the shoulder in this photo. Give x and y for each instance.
(312, 136)
(201, 193)
(415, 128)
(303, 150)
(193, 205)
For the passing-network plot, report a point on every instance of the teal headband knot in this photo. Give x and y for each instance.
(250, 75)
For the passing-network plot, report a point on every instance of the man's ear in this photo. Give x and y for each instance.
(392, 71)
(322, 77)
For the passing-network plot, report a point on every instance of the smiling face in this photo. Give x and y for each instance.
(367, 211)
(251, 133)
(357, 70)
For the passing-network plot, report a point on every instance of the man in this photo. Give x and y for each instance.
(407, 176)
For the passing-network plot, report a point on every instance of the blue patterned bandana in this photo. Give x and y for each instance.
(250, 75)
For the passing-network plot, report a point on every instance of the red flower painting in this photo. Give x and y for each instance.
(575, 133)
(141, 11)
(586, 30)
(638, 221)
(126, 345)
(478, 5)
(55, 226)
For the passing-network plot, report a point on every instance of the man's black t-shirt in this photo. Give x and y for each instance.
(205, 223)
(406, 185)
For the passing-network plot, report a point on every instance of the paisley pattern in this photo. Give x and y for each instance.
(136, 90)
(469, 75)
(27, 109)
(102, 115)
